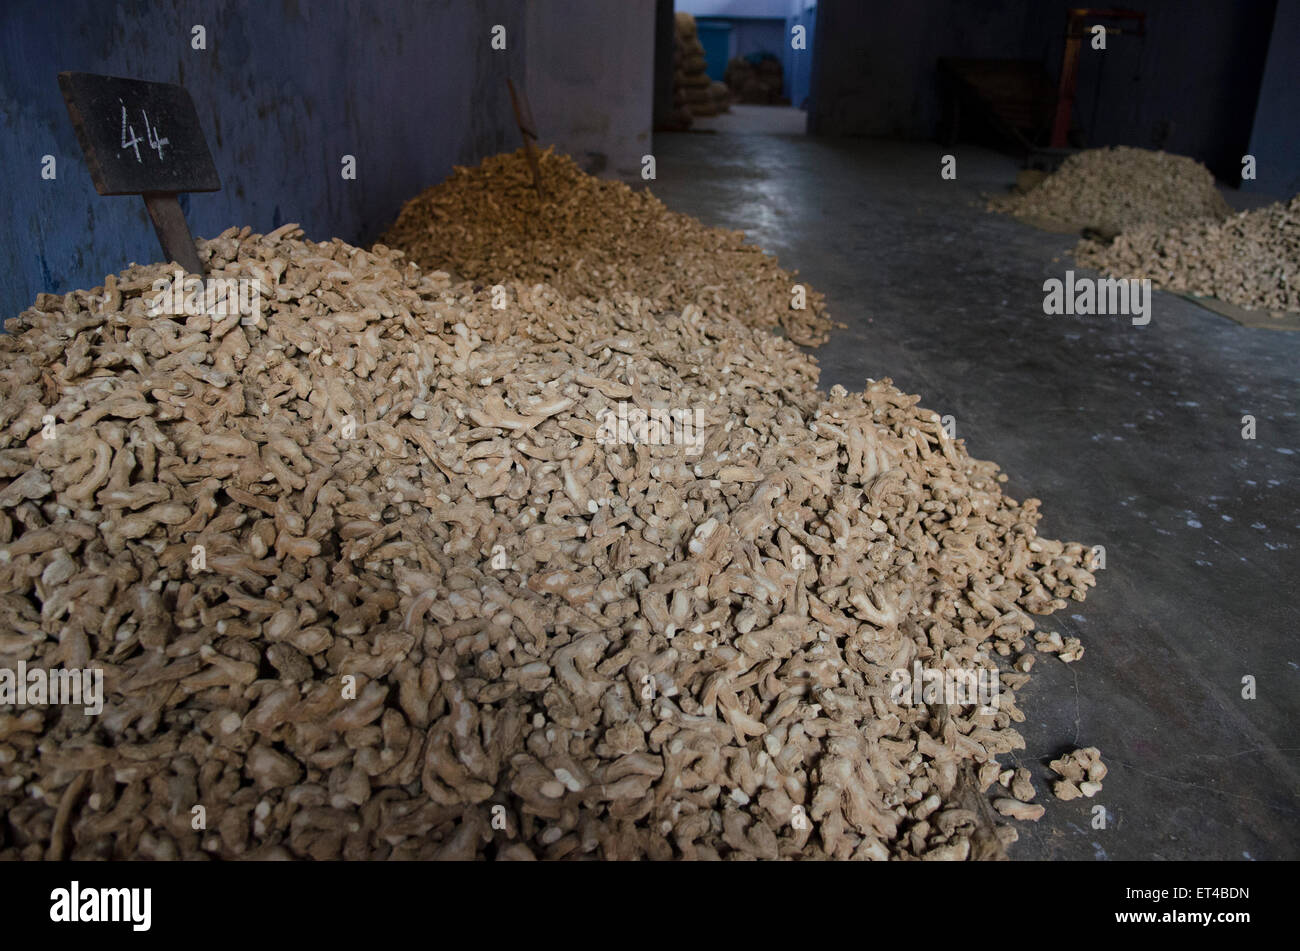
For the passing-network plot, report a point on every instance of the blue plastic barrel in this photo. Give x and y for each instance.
(715, 37)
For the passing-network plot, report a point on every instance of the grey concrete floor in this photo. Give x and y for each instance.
(743, 119)
(1131, 436)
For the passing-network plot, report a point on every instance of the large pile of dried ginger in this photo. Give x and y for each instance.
(371, 575)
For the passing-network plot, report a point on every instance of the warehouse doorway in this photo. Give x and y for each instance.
(734, 66)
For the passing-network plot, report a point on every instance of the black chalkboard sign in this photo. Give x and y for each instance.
(144, 139)
(138, 136)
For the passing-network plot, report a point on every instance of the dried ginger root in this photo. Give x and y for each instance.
(589, 237)
(1081, 773)
(472, 627)
(1113, 190)
(1251, 259)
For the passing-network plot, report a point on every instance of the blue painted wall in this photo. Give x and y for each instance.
(798, 64)
(1190, 85)
(284, 89)
(1275, 137)
(874, 69)
(757, 36)
(725, 38)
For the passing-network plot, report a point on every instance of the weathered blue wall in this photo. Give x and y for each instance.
(1275, 136)
(757, 36)
(874, 68)
(798, 64)
(284, 89)
(1190, 85)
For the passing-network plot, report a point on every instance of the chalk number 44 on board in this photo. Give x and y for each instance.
(151, 139)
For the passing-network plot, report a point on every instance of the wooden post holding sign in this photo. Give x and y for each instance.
(527, 128)
(143, 138)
